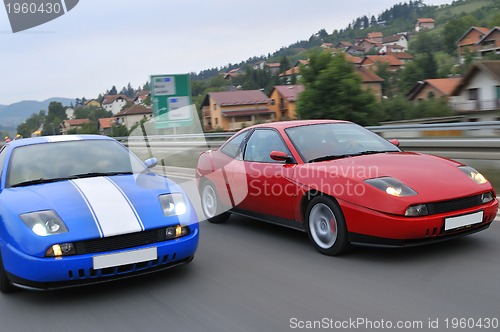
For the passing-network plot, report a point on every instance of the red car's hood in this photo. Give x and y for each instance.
(433, 178)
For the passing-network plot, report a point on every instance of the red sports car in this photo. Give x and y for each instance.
(343, 185)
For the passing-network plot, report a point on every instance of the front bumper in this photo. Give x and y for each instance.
(374, 228)
(52, 273)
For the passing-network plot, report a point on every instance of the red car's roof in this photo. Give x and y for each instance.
(295, 123)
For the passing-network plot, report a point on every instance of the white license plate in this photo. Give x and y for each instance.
(461, 221)
(124, 258)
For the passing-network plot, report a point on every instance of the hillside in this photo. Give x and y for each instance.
(14, 114)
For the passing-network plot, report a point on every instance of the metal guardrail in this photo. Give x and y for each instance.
(478, 148)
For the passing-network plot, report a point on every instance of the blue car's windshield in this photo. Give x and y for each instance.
(69, 159)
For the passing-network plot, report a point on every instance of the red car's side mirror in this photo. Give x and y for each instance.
(280, 156)
(394, 141)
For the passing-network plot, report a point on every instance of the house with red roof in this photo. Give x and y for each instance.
(284, 101)
(73, 125)
(114, 103)
(396, 40)
(131, 116)
(376, 36)
(489, 43)
(470, 40)
(369, 44)
(231, 110)
(370, 81)
(433, 89)
(105, 125)
(372, 60)
(425, 24)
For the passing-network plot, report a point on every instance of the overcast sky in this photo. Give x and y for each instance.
(99, 44)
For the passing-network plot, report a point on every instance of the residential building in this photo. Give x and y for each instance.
(114, 103)
(231, 110)
(141, 97)
(354, 59)
(233, 73)
(274, 67)
(288, 76)
(376, 36)
(284, 101)
(355, 50)
(92, 103)
(106, 125)
(70, 112)
(469, 41)
(402, 56)
(368, 44)
(73, 125)
(425, 24)
(133, 115)
(433, 89)
(343, 45)
(478, 94)
(372, 60)
(396, 40)
(490, 43)
(370, 81)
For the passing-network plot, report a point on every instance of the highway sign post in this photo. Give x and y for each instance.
(171, 100)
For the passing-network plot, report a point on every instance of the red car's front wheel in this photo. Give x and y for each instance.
(326, 226)
(212, 208)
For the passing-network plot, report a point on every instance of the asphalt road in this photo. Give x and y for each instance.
(251, 276)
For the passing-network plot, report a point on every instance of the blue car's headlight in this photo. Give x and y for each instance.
(173, 204)
(391, 186)
(44, 223)
(473, 174)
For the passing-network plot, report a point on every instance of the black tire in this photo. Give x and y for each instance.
(5, 285)
(210, 204)
(326, 226)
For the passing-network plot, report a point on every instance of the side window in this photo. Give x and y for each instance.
(232, 148)
(261, 144)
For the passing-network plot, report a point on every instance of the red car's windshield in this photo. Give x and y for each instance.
(335, 140)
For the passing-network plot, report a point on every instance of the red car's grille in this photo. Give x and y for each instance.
(454, 205)
(120, 241)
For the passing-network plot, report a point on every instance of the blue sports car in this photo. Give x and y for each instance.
(83, 209)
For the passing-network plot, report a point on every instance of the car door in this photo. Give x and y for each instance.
(269, 188)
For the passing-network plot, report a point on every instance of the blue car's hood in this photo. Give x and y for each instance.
(91, 207)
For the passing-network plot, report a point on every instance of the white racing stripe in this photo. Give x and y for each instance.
(112, 211)
(63, 138)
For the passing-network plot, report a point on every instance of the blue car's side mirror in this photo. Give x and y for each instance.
(151, 162)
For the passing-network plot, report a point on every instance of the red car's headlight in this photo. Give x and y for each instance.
(473, 174)
(391, 186)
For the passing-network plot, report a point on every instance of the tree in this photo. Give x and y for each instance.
(427, 63)
(55, 116)
(284, 64)
(113, 91)
(454, 29)
(32, 124)
(333, 91)
(410, 75)
(118, 130)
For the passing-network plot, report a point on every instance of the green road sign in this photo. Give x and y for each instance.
(171, 99)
